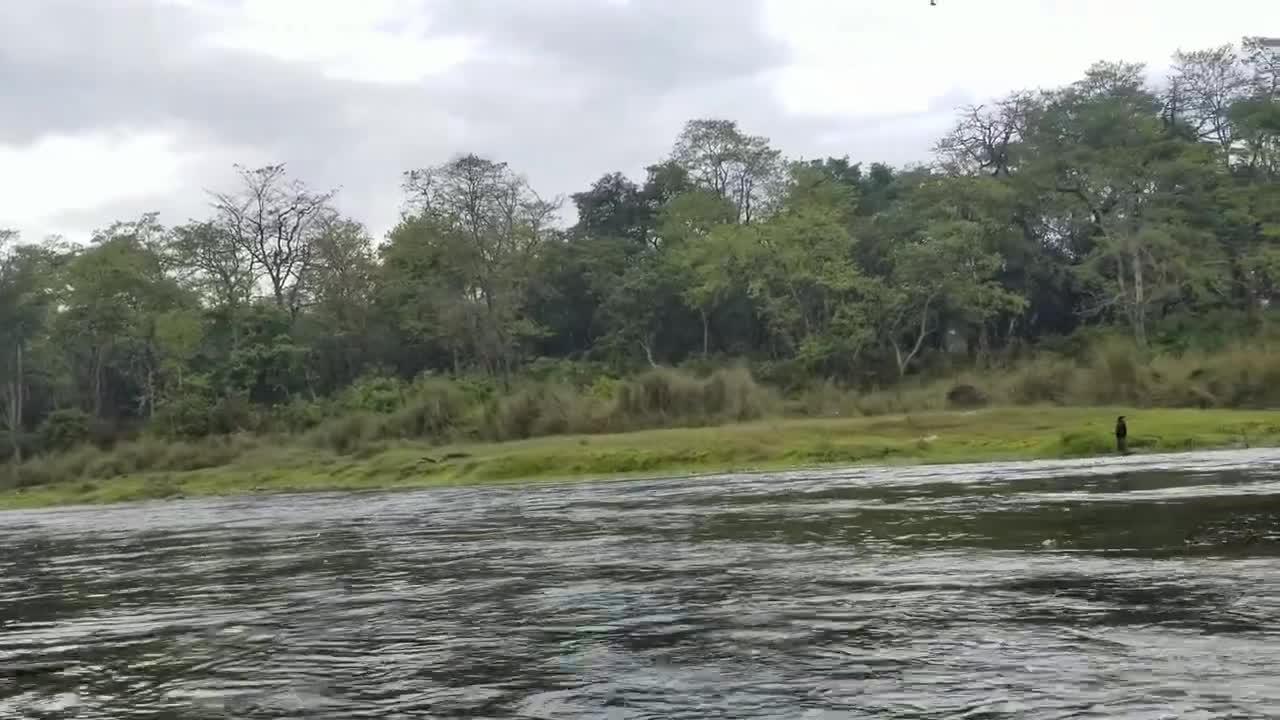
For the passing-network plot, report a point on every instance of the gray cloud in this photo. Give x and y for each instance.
(565, 90)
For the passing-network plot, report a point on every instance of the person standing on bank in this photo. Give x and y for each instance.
(1122, 436)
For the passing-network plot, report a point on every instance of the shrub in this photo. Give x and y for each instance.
(823, 399)
(540, 409)
(1043, 380)
(573, 373)
(905, 398)
(344, 434)
(965, 396)
(64, 429)
(1116, 374)
(381, 395)
(187, 415)
(299, 416)
(434, 409)
(668, 396)
(1244, 377)
(232, 414)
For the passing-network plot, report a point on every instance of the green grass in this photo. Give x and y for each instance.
(931, 437)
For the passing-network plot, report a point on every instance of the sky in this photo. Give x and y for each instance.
(113, 108)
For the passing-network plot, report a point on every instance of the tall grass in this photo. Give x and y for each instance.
(146, 455)
(382, 412)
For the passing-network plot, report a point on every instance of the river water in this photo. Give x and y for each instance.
(1137, 588)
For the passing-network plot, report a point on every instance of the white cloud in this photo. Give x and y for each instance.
(52, 186)
(351, 93)
(885, 58)
(376, 41)
(61, 173)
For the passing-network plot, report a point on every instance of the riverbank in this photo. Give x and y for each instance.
(942, 437)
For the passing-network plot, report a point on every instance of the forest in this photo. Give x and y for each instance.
(1120, 211)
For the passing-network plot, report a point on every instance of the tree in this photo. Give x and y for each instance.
(273, 221)
(115, 291)
(740, 168)
(1204, 87)
(1262, 59)
(614, 207)
(209, 259)
(802, 271)
(344, 290)
(1110, 202)
(1115, 169)
(948, 268)
(1257, 127)
(25, 299)
(696, 253)
(484, 225)
(985, 139)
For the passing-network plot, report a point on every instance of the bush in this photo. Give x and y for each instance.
(967, 397)
(434, 410)
(1244, 377)
(188, 415)
(573, 373)
(823, 399)
(345, 434)
(1117, 373)
(382, 395)
(233, 414)
(668, 396)
(542, 409)
(299, 416)
(905, 398)
(1043, 380)
(64, 429)
(1207, 330)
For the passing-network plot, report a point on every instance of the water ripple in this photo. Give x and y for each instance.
(1140, 588)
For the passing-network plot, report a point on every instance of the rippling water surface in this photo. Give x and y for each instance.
(1142, 588)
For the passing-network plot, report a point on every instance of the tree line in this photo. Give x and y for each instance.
(1151, 208)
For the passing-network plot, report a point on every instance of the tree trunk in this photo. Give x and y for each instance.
(1139, 301)
(151, 392)
(15, 408)
(647, 344)
(97, 383)
(903, 362)
(233, 317)
(706, 333)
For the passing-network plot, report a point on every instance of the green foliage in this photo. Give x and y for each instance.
(664, 397)
(189, 414)
(433, 410)
(380, 395)
(1112, 240)
(64, 429)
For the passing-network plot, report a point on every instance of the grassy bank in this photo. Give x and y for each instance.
(931, 437)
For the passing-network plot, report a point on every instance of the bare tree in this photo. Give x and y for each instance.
(985, 137)
(1262, 56)
(496, 209)
(275, 221)
(209, 259)
(741, 168)
(1204, 86)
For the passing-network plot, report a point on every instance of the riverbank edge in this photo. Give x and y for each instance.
(1004, 434)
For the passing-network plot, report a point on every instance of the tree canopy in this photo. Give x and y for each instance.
(1110, 202)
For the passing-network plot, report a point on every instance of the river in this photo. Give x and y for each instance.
(1144, 587)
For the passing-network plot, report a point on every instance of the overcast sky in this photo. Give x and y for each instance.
(109, 108)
